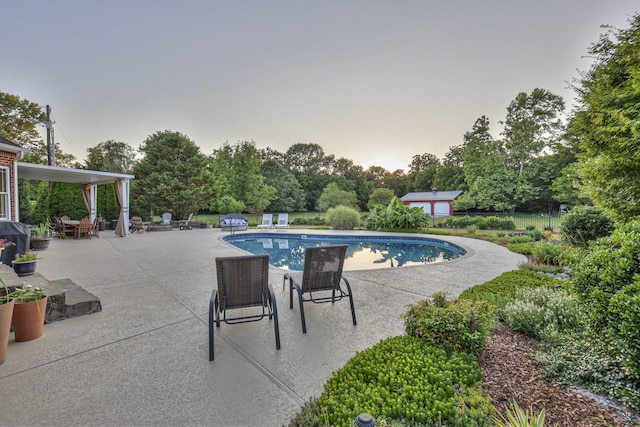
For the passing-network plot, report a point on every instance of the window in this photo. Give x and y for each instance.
(4, 193)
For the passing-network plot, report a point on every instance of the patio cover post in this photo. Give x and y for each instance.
(122, 192)
(93, 196)
(90, 196)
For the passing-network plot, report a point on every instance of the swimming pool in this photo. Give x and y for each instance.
(364, 252)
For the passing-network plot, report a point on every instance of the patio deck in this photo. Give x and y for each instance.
(143, 360)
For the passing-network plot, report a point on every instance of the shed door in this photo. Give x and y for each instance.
(441, 209)
(425, 206)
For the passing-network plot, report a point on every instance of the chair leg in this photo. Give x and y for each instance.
(212, 309)
(353, 311)
(276, 325)
(301, 299)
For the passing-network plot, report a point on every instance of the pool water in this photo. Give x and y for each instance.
(364, 252)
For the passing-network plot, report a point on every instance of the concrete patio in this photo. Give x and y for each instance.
(143, 360)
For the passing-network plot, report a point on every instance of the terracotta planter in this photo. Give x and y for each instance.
(6, 314)
(24, 268)
(28, 319)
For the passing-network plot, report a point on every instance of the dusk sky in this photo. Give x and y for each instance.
(366, 80)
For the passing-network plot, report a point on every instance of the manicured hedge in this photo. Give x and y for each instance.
(502, 289)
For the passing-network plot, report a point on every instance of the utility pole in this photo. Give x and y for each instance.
(51, 144)
(48, 126)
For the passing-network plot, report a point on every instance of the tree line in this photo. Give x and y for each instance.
(541, 158)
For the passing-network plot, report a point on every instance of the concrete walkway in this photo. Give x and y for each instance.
(143, 360)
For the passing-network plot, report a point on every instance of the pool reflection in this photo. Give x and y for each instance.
(288, 253)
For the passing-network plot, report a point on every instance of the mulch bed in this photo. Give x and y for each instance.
(511, 374)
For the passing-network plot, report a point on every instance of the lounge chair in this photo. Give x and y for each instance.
(137, 225)
(322, 273)
(283, 221)
(243, 281)
(166, 218)
(186, 225)
(83, 230)
(267, 221)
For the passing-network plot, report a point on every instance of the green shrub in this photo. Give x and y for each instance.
(521, 248)
(520, 239)
(342, 218)
(608, 281)
(549, 253)
(585, 224)
(536, 235)
(500, 222)
(540, 268)
(402, 378)
(543, 312)
(472, 229)
(482, 222)
(579, 358)
(461, 326)
(455, 222)
(309, 415)
(502, 289)
(573, 256)
(397, 216)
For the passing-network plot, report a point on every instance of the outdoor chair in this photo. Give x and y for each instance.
(166, 218)
(186, 225)
(267, 221)
(94, 231)
(243, 281)
(64, 230)
(83, 230)
(137, 225)
(283, 221)
(322, 274)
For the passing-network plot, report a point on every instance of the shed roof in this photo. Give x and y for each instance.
(431, 196)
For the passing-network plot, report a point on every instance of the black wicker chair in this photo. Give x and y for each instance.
(322, 273)
(243, 281)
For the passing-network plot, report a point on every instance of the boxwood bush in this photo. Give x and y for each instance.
(404, 380)
(502, 289)
(585, 224)
(460, 326)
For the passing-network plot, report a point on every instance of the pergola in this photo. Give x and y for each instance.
(89, 180)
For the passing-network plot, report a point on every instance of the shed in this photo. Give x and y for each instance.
(435, 203)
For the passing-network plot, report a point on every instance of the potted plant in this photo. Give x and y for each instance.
(40, 236)
(28, 312)
(7, 302)
(25, 264)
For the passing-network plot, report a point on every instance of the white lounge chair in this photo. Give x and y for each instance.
(267, 221)
(283, 221)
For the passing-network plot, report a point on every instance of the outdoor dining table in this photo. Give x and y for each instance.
(72, 223)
